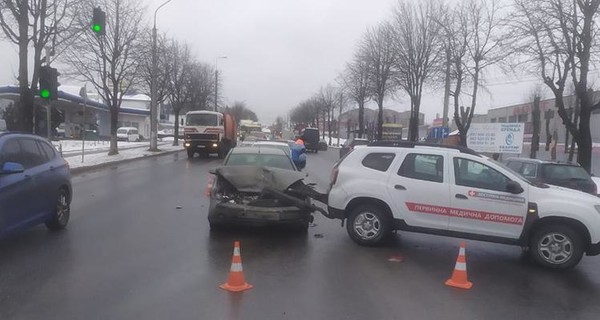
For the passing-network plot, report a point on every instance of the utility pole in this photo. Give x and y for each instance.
(83, 94)
(217, 82)
(153, 102)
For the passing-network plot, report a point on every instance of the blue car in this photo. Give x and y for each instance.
(35, 184)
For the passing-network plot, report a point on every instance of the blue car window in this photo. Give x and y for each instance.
(31, 154)
(11, 152)
(47, 150)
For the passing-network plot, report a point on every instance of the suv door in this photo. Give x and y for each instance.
(419, 189)
(36, 167)
(480, 202)
(14, 188)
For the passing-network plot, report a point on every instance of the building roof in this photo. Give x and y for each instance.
(13, 92)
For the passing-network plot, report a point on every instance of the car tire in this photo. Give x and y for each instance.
(556, 246)
(62, 211)
(369, 225)
(217, 227)
(190, 154)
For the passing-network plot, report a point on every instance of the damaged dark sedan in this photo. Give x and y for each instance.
(260, 187)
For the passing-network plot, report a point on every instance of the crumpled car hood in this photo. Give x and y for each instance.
(256, 178)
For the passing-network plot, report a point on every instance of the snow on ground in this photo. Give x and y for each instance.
(334, 141)
(75, 145)
(100, 158)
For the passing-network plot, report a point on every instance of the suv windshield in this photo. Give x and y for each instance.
(201, 120)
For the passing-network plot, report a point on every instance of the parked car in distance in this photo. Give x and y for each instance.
(130, 134)
(568, 175)
(2, 125)
(455, 192)
(350, 144)
(238, 195)
(310, 136)
(35, 184)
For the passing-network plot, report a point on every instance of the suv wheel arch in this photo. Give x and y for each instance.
(367, 200)
(577, 225)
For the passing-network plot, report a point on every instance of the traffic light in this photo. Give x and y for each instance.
(48, 83)
(98, 21)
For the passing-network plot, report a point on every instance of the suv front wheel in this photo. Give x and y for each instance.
(556, 246)
(368, 225)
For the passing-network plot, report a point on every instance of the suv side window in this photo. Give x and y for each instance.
(473, 174)
(11, 152)
(529, 170)
(31, 154)
(378, 161)
(514, 165)
(426, 167)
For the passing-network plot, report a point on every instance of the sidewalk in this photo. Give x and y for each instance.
(99, 159)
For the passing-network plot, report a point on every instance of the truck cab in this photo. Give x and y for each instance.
(207, 132)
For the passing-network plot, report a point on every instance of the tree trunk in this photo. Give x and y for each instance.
(114, 119)
(25, 113)
(329, 124)
(584, 143)
(535, 140)
(361, 119)
(446, 89)
(380, 118)
(176, 111)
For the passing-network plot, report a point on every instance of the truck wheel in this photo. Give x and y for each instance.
(556, 246)
(368, 225)
(190, 154)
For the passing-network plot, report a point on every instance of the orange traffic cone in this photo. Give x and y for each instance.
(236, 281)
(459, 276)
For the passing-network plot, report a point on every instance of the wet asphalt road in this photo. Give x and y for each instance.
(130, 254)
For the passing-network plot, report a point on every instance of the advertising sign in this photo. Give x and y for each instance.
(496, 137)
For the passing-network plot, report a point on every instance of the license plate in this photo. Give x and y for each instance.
(200, 146)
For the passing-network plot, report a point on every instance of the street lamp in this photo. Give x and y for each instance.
(153, 104)
(217, 80)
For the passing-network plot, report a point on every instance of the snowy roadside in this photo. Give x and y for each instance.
(98, 160)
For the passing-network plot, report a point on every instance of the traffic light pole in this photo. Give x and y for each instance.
(153, 104)
(49, 119)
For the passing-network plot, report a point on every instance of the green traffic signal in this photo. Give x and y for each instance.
(45, 93)
(96, 28)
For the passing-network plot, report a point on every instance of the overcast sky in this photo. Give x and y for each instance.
(281, 52)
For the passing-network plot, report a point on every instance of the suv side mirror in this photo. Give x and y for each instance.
(12, 167)
(514, 187)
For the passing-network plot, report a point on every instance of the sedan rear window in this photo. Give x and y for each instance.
(268, 160)
(378, 161)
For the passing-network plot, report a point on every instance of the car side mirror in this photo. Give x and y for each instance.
(514, 187)
(12, 167)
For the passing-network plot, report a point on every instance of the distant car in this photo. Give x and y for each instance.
(35, 184)
(130, 134)
(310, 136)
(252, 188)
(568, 175)
(351, 143)
(2, 125)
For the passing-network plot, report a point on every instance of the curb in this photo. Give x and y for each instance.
(79, 170)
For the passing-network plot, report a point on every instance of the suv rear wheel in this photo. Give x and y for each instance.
(368, 225)
(556, 246)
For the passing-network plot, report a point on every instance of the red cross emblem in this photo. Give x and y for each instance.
(472, 193)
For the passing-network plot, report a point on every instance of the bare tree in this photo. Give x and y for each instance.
(240, 111)
(41, 24)
(180, 90)
(203, 84)
(328, 97)
(111, 62)
(378, 52)
(415, 42)
(556, 39)
(356, 84)
(163, 59)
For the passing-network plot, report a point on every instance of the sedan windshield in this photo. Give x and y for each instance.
(268, 160)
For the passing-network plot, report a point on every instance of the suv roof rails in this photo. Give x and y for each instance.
(412, 144)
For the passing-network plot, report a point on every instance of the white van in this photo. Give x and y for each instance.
(128, 134)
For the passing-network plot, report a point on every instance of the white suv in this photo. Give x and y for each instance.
(457, 192)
